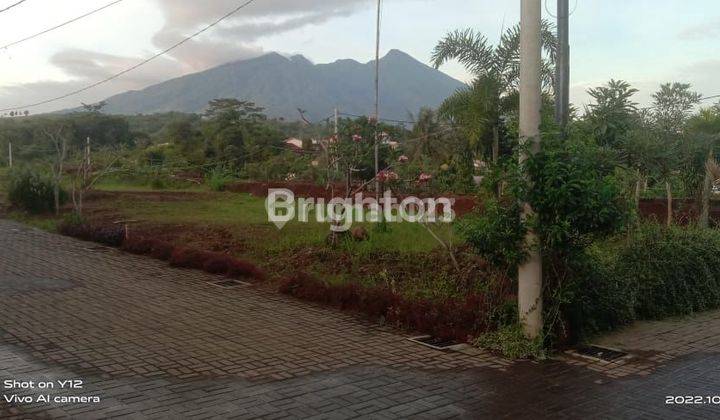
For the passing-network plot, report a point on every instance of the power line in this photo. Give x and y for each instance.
(13, 5)
(19, 41)
(140, 64)
(380, 119)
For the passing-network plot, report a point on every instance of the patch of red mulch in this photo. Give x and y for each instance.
(450, 318)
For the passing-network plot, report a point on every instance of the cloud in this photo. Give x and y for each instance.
(83, 68)
(89, 65)
(236, 38)
(707, 30)
(260, 19)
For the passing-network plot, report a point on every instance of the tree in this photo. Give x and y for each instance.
(230, 124)
(479, 109)
(187, 139)
(704, 130)
(672, 107)
(94, 108)
(427, 136)
(613, 114)
(58, 136)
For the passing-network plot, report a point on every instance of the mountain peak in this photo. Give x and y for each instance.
(300, 59)
(398, 53)
(283, 83)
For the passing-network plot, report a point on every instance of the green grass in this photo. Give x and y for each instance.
(114, 185)
(43, 222)
(243, 214)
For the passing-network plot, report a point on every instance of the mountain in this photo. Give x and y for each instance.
(282, 85)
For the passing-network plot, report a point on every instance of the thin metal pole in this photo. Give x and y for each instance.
(337, 132)
(86, 172)
(562, 66)
(10, 156)
(377, 102)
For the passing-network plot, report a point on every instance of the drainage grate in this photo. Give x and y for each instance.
(229, 284)
(601, 353)
(435, 342)
(98, 249)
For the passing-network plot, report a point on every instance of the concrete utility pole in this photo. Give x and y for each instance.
(530, 273)
(562, 69)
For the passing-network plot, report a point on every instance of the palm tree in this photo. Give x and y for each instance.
(479, 109)
(426, 134)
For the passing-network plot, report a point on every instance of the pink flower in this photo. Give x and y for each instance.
(425, 177)
(357, 138)
(387, 176)
(403, 159)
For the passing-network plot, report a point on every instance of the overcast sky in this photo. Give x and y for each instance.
(646, 42)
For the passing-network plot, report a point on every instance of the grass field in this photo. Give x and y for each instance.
(405, 255)
(242, 214)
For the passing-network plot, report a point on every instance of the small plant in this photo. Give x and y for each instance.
(189, 258)
(218, 178)
(32, 191)
(510, 341)
(158, 183)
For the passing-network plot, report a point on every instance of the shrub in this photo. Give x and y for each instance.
(106, 235)
(158, 183)
(139, 246)
(676, 270)
(218, 178)
(217, 264)
(377, 301)
(189, 258)
(458, 319)
(32, 191)
(496, 234)
(652, 273)
(161, 250)
(243, 269)
(510, 341)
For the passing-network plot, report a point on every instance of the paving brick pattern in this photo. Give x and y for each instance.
(156, 342)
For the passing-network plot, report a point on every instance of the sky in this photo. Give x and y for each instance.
(645, 42)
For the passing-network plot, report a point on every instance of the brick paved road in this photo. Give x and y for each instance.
(155, 342)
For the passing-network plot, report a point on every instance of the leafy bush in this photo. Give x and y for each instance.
(575, 195)
(677, 270)
(496, 234)
(32, 191)
(189, 258)
(158, 183)
(510, 341)
(447, 318)
(576, 199)
(138, 246)
(106, 235)
(654, 272)
(218, 178)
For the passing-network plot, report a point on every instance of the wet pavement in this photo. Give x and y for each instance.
(148, 341)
